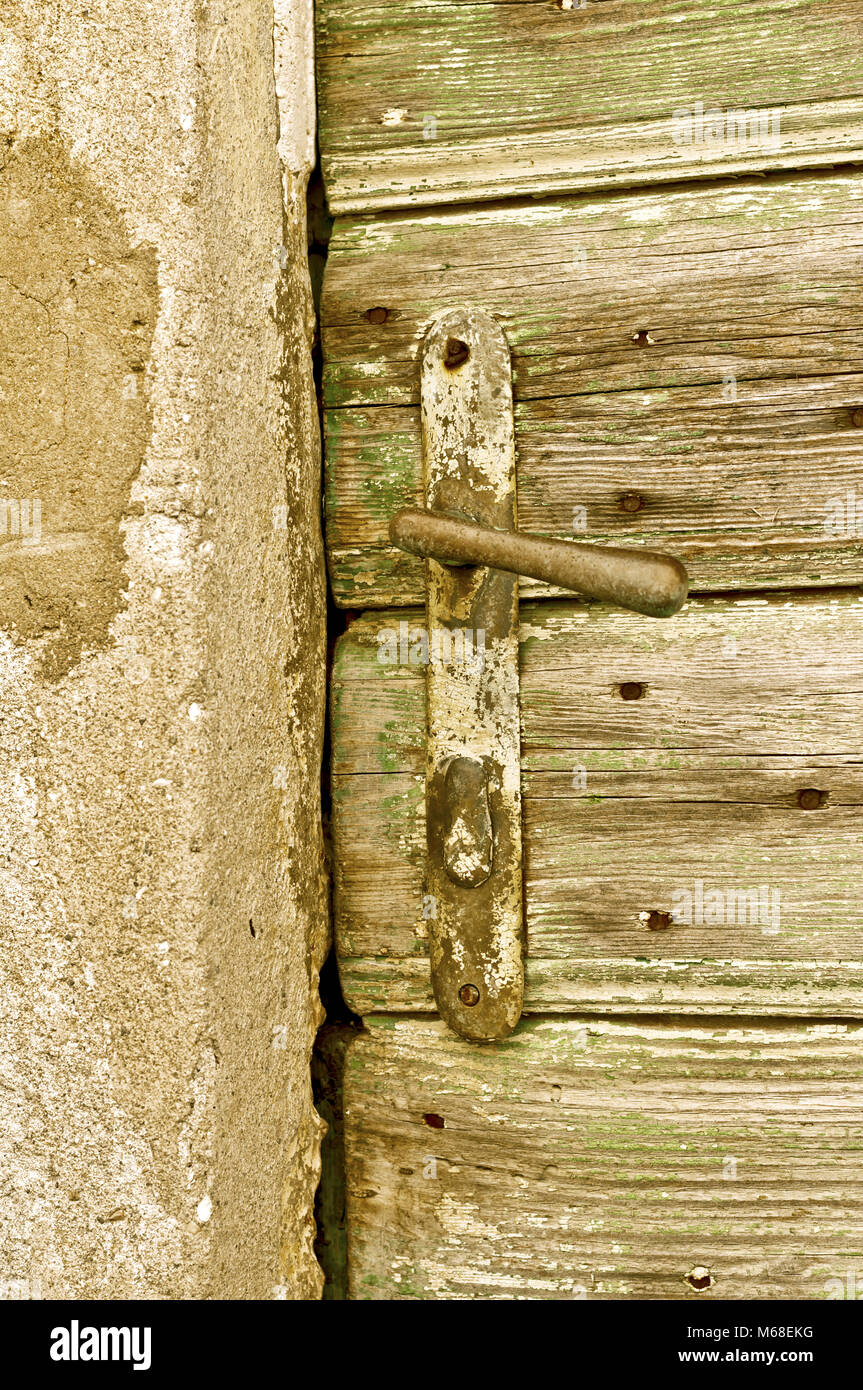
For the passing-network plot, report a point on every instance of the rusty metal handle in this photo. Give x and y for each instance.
(642, 580)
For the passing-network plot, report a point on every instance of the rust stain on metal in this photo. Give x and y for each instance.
(472, 775)
(644, 581)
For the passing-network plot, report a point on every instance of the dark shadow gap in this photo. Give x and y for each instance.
(341, 1024)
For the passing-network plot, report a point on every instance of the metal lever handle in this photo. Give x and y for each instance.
(642, 580)
(473, 870)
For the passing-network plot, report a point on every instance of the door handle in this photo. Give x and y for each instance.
(641, 580)
(472, 891)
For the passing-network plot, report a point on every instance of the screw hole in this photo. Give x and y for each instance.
(658, 921)
(632, 690)
(377, 315)
(434, 1121)
(810, 799)
(455, 354)
(700, 1278)
(642, 338)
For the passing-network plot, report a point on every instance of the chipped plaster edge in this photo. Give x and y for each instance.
(296, 103)
(294, 65)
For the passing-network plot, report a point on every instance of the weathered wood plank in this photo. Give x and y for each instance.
(630, 804)
(589, 1158)
(456, 100)
(766, 269)
(738, 427)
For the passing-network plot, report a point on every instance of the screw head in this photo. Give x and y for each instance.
(456, 354)
(631, 690)
(469, 995)
(631, 502)
(377, 315)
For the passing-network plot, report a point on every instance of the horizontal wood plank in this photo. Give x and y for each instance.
(628, 805)
(588, 1158)
(737, 428)
(456, 100)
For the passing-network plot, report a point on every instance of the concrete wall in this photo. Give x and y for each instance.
(162, 890)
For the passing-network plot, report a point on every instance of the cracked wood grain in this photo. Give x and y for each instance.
(449, 101)
(732, 439)
(598, 1159)
(629, 804)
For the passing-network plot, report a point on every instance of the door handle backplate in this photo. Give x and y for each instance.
(467, 532)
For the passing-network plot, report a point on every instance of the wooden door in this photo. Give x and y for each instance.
(659, 205)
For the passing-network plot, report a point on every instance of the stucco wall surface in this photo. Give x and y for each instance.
(162, 888)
